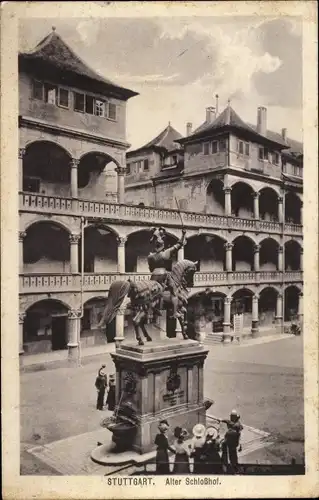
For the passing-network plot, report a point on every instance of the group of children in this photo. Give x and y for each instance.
(211, 454)
(102, 386)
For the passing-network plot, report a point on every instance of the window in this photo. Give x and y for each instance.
(263, 154)
(214, 147)
(99, 107)
(37, 90)
(206, 148)
(222, 146)
(89, 104)
(247, 149)
(112, 111)
(146, 166)
(275, 158)
(174, 160)
(79, 102)
(240, 147)
(243, 148)
(63, 97)
(50, 93)
(128, 169)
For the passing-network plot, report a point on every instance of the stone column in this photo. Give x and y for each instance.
(74, 252)
(21, 155)
(121, 254)
(74, 177)
(300, 307)
(280, 209)
(255, 317)
(301, 213)
(279, 312)
(256, 258)
(227, 191)
(280, 258)
(119, 326)
(256, 205)
(22, 235)
(229, 256)
(74, 328)
(226, 324)
(21, 322)
(201, 329)
(301, 259)
(162, 325)
(120, 184)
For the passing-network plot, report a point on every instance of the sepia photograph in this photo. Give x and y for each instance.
(160, 248)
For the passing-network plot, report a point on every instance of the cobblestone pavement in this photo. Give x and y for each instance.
(263, 381)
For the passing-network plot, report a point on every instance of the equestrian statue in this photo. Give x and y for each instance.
(166, 290)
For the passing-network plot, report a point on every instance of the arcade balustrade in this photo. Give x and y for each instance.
(49, 282)
(39, 203)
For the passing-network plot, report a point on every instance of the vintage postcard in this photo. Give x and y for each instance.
(159, 186)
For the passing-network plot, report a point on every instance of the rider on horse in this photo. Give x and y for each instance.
(160, 264)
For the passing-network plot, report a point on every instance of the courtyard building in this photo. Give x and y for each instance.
(86, 205)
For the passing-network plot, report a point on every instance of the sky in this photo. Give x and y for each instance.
(179, 64)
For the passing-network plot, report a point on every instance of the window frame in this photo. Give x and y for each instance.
(34, 82)
(216, 145)
(146, 162)
(206, 144)
(102, 103)
(74, 98)
(55, 88)
(59, 103)
(108, 111)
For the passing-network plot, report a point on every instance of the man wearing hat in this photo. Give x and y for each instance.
(110, 400)
(231, 440)
(213, 462)
(100, 384)
(196, 447)
(161, 441)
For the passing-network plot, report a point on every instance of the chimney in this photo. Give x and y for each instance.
(227, 118)
(216, 96)
(262, 120)
(189, 128)
(210, 114)
(284, 134)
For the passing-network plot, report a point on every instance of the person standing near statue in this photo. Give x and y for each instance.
(110, 399)
(100, 385)
(231, 442)
(160, 264)
(163, 447)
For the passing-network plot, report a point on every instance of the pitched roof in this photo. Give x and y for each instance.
(54, 51)
(293, 147)
(229, 118)
(165, 140)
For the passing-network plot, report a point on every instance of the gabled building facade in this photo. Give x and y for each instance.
(248, 181)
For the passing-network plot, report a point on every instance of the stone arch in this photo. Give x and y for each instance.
(56, 221)
(268, 254)
(275, 287)
(293, 251)
(243, 253)
(268, 204)
(267, 305)
(137, 249)
(208, 249)
(93, 308)
(46, 167)
(291, 302)
(100, 249)
(242, 304)
(293, 206)
(97, 174)
(46, 245)
(215, 197)
(48, 141)
(45, 326)
(242, 200)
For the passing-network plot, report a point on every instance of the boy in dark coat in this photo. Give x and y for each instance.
(110, 400)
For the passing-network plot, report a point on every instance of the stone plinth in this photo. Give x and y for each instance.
(161, 380)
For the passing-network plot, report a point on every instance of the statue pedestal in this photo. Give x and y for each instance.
(161, 380)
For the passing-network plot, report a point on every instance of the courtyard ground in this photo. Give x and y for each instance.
(264, 382)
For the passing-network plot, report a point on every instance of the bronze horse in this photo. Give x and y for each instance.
(148, 297)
